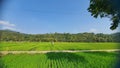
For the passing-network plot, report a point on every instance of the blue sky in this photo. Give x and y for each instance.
(49, 16)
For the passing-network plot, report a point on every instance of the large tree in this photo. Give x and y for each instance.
(106, 8)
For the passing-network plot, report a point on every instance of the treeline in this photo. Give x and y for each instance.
(7, 35)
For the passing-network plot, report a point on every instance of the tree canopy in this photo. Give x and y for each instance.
(106, 8)
(59, 37)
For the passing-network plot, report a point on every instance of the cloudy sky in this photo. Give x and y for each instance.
(49, 16)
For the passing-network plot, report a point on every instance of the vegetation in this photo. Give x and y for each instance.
(7, 35)
(106, 8)
(31, 46)
(60, 60)
(15, 41)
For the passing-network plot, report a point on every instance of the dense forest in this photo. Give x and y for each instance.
(7, 35)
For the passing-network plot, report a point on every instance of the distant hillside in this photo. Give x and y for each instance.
(7, 35)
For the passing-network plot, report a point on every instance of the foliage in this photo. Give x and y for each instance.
(106, 8)
(7, 35)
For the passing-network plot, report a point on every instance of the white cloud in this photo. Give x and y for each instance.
(10, 28)
(93, 30)
(7, 25)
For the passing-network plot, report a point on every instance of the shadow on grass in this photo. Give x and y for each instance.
(118, 61)
(70, 57)
(2, 65)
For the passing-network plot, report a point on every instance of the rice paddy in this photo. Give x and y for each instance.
(41, 46)
(60, 60)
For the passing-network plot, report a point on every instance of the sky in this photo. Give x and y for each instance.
(49, 16)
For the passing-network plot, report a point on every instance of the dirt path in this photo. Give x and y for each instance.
(72, 51)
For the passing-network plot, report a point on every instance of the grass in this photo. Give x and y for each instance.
(59, 60)
(39, 46)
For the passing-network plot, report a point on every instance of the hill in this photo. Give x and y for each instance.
(8, 35)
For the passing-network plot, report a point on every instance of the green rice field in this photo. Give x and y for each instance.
(59, 60)
(41, 46)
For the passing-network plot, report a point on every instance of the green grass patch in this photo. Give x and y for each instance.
(38, 46)
(60, 60)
